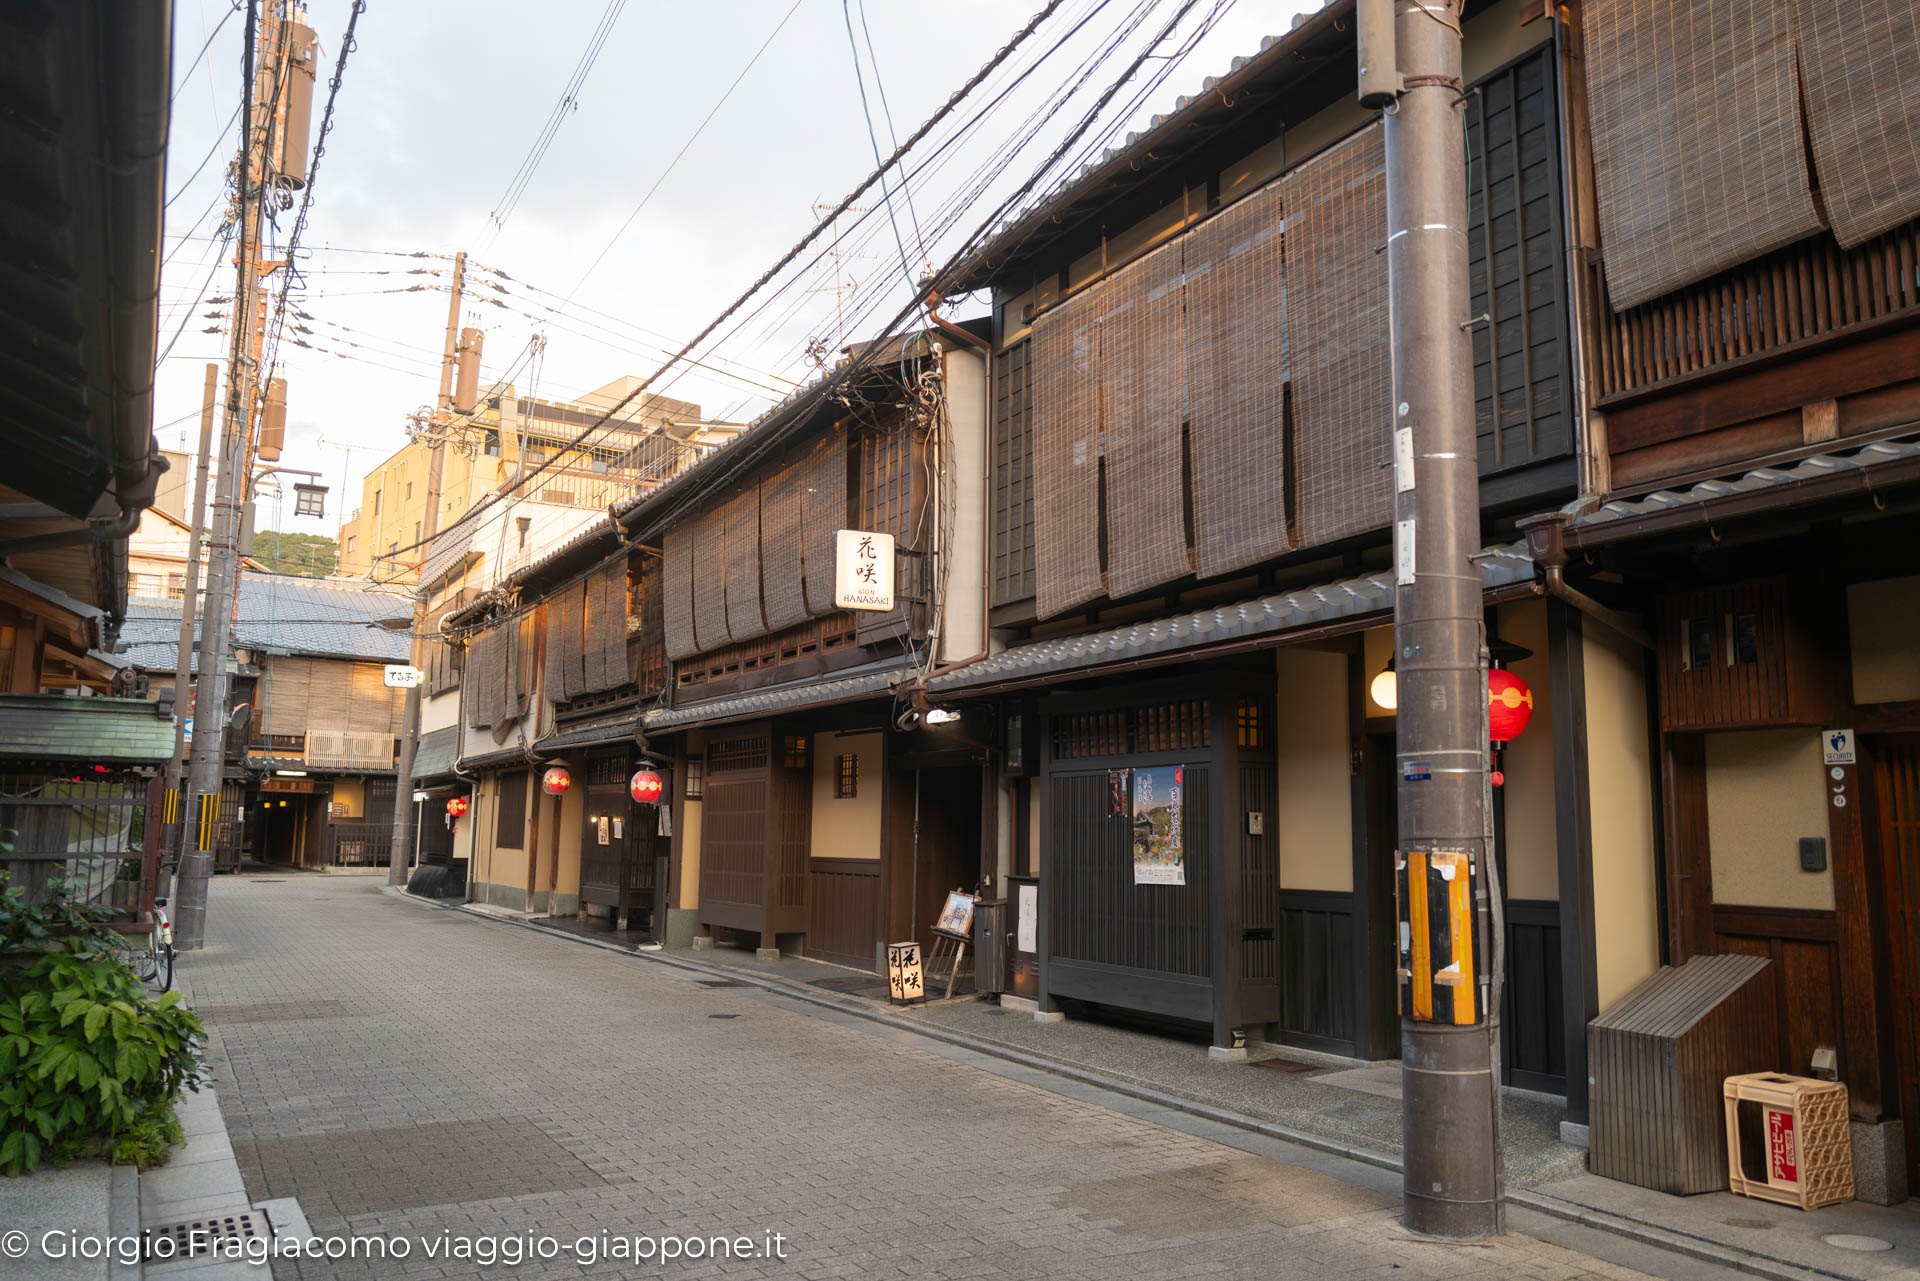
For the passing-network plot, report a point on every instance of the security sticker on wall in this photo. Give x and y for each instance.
(1836, 746)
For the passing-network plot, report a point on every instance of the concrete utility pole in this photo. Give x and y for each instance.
(274, 100)
(196, 516)
(1453, 1180)
(401, 854)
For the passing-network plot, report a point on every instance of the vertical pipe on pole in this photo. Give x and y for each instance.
(1452, 1176)
(190, 592)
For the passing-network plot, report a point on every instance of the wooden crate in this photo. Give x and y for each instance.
(1658, 1057)
(1789, 1139)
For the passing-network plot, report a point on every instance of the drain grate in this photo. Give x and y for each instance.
(719, 983)
(266, 880)
(723, 1016)
(202, 1236)
(1289, 1066)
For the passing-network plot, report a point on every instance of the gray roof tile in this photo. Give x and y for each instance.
(327, 618)
(98, 731)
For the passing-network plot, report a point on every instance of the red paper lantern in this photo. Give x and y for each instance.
(456, 807)
(1509, 705)
(646, 787)
(556, 781)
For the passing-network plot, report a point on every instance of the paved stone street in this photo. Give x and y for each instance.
(408, 1071)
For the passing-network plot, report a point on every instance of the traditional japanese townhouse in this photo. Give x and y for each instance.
(313, 774)
(548, 685)
(1751, 295)
(1191, 584)
(83, 150)
(808, 813)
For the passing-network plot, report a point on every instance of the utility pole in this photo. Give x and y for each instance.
(401, 854)
(1453, 1184)
(190, 595)
(278, 55)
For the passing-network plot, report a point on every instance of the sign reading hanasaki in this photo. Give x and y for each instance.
(862, 570)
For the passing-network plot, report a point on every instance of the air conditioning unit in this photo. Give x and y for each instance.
(338, 749)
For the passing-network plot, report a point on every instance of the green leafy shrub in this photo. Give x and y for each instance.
(91, 1063)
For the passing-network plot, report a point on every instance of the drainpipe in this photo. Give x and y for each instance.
(1547, 544)
(93, 532)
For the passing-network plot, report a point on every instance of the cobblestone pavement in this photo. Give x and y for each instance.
(412, 1072)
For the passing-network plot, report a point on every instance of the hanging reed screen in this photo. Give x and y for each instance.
(744, 620)
(1236, 371)
(823, 509)
(1697, 142)
(1859, 65)
(1144, 388)
(676, 591)
(1341, 362)
(1066, 455)
(710, 579)
(782, 593)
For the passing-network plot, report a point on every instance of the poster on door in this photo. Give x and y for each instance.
(1159, 826)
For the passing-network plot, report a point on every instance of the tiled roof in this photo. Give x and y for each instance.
(618, 728)
(325, 618)
(865, 682)
(99, 731)
(1262, 616)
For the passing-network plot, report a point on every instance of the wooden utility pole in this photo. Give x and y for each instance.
(1449, 940)
(262, 170)
(401, 854)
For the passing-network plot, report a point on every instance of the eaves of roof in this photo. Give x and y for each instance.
(1220, 101)
(868, 682)
(1264, 620)
(1874, 468)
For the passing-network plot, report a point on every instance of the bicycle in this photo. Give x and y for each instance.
(152, 963)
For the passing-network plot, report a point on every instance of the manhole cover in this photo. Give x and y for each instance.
(718, 983)
(201, 1236)
(723, 1016)
(1848, 1241)
(1290, 1066)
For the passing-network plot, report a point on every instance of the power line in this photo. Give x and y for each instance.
(192, 67)
(569, 101)
(218, 139)
(695, 137)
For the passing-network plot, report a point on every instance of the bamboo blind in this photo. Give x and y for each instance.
(486, 669)
(710, 578)
(1336, 279)
(560, 663)
(1066, 456)
(744, 619)
(601, 670)
(1697, 142)
(676, 591)
(1145, 380)
(1860, 74)
(285, 705)
(1236, 368)
(823, 509)
(783, 595)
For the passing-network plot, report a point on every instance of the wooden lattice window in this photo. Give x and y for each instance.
(1250, 723)
(696, 772)
(846, 776)
(793, 751)
(1159, 727)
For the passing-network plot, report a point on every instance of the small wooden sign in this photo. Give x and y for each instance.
(600, 830)
(905, 982)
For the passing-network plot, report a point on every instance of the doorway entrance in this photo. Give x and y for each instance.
(1896, 782)
(947, 854)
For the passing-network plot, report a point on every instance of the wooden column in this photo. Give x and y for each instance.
(1580, 994)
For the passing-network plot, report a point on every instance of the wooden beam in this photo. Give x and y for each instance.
(1573, 826)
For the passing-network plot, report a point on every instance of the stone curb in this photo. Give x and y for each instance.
(1701, 1248)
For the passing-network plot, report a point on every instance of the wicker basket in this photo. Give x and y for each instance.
(1789, 1139)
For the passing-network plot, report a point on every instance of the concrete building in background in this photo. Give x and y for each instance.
(506, 436)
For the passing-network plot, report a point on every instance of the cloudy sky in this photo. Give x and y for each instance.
(441, 106)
